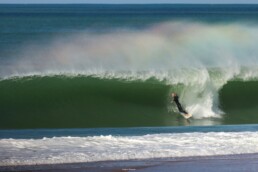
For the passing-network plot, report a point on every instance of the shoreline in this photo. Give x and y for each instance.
(241, 162)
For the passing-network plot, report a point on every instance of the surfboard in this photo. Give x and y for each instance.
(186, 116)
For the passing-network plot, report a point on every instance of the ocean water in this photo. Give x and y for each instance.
(85, 69)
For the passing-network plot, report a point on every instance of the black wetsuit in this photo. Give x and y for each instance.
(175, 98)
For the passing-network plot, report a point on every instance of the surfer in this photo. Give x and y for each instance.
(179, 106)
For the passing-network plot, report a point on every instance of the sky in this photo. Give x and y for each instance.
(132, 1)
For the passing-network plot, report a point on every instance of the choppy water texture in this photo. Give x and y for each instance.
(29, 147)
(76, 66)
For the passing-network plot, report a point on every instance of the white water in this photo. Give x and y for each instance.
(103, 148)
(178, 52)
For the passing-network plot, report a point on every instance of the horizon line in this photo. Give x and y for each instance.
(131, 3)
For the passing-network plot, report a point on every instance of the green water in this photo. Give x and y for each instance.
(82, 102)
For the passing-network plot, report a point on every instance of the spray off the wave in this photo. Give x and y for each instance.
(202, 57)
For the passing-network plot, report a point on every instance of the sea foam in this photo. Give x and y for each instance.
(103, 148)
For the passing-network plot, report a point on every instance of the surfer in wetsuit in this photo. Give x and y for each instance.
(179, 106)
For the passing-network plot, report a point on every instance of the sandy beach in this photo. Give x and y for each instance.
(244, 162)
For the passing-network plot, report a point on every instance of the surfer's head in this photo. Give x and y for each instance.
(173, 94)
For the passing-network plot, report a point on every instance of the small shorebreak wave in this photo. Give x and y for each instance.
(59, 150)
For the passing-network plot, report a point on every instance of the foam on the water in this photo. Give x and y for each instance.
(103, 148)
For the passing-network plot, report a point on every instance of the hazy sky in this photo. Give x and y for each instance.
(132, 1)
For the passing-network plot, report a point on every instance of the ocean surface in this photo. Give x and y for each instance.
(74, 79)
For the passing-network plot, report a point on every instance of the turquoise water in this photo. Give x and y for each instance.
(132, 131)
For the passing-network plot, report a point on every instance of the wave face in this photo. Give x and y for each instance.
(81, 102)
(123, 75)
(87, 101)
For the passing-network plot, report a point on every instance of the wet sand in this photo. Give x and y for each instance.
(236, 163)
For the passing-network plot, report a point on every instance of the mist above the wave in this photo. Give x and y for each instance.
(162, 47)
